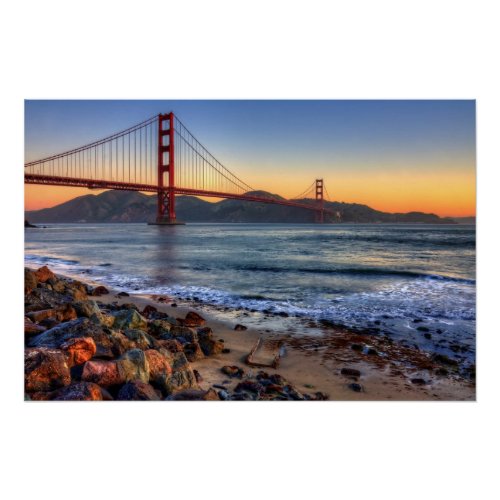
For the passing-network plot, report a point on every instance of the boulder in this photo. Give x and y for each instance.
(80, 391)
(30, 280)
(57, 285)
(193, 319)
(79, 350)
(122, 294)
(45, 369)
(65, 312)
(104, 373)
(31, 328)
(103, 319)
(38, 316)
(148, 310)
(178, 381)
(182, 376)
(194, 395)
(159, 328)
(129, 319)
(159, 364)
(205, 333)
(134, 366)
(193, 351)
(141, 339)
(171, 345)
(100, 290)
(211, 347)
(240, 328)
(137, 390)
(86, 308)
(43, 298)
(109, 344)
(182, 332)
(43, 274)
(77, 290)
(180, 362)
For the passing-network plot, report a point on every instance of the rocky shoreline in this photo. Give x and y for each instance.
(79, 347)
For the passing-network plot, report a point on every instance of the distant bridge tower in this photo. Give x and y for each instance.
(165, 214)
(320, 214)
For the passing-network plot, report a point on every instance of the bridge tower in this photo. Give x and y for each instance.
(320, 213)
(165, 214)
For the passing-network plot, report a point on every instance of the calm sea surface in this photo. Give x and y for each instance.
(375, 276)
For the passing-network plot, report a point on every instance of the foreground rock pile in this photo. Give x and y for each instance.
(79, 349)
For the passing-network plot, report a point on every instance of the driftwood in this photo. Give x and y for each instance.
(249, 359)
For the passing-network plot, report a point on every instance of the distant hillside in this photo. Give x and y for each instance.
(464, 220)
(125, 206)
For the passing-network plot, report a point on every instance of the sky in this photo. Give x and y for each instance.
(395, 156)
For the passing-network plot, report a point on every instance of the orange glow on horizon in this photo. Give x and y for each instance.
(438, 191)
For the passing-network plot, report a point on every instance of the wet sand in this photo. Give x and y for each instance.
(314, 363)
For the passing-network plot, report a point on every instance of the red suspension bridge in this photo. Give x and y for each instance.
(159, 155)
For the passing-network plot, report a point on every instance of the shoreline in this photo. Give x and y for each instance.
(375, 369)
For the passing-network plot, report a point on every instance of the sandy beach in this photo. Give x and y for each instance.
(340, 364)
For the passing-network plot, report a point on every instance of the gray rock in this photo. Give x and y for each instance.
(141, 339)
(133, 365)
(129, 319)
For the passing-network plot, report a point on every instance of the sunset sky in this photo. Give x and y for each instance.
(395, 156)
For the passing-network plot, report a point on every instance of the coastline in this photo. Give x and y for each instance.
(341, 364)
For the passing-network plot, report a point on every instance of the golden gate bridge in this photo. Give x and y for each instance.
(162, 156)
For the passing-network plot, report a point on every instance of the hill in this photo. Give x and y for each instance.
(125, 206)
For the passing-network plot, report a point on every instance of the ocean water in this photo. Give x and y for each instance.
(392, 279)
